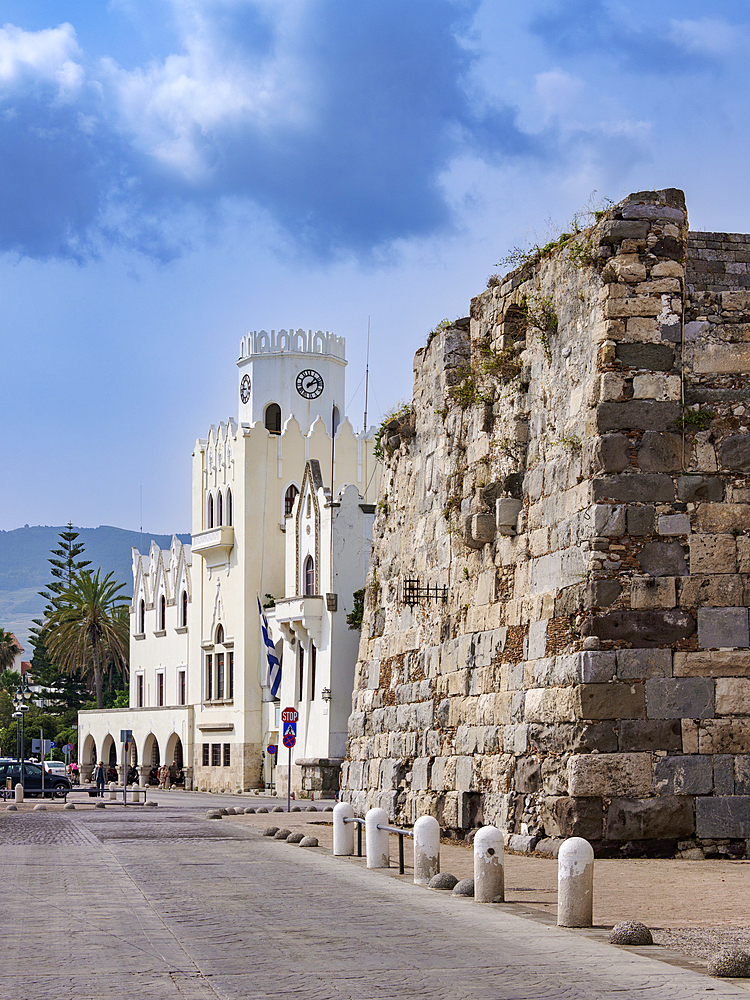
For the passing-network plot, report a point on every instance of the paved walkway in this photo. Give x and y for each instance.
(164, 903)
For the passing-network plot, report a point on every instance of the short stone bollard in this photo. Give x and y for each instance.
(112, 791)
(19, 792)
(378, 848)
(426, 849)
(136, 793)
(343, 833)
(575, 883)
(489, 865)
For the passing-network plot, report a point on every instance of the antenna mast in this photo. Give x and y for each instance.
(367, 375)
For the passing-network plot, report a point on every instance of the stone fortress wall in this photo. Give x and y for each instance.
(556, 634)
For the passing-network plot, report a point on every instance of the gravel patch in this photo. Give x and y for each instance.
(702, 942)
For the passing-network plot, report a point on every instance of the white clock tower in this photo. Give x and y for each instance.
(291, 373)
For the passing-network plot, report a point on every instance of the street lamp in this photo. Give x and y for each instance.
(20, 703)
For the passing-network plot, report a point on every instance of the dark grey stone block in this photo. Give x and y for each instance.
(692, 488)
(601, 593)
(723, 816)
(653, 357)
(611, 453)
(651, 819)
(720, 628)
(668, 246)
(634, 488)
(663, 559)
(671, 332)
(643, 628)
(633, 664)
(660, 452)
(723, 774)
(734, 452)
(637, 414)
(680, 698)
(742, 774)
(646, 735)
(572, 816)
(641, 519)
(528, 775)
(662, 212)
(685, 775)
(615, 231)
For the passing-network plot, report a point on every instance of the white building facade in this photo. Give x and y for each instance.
(198, 675)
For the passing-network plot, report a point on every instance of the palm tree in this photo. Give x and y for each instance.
(87, 625)
(9, 649)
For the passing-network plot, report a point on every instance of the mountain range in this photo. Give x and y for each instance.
(25, 570)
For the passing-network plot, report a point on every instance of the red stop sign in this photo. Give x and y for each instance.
(289, 715)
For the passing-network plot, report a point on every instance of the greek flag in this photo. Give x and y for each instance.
(274, 667)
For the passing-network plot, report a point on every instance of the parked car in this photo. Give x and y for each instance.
(55, 767)
(54, 784)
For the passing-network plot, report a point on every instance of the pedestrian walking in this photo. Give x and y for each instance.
(173, 774)
(163, 776)
(101, 777)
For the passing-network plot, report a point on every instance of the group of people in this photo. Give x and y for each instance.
(168, 775)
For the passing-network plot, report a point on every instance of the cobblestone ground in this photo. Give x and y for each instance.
(113, 904)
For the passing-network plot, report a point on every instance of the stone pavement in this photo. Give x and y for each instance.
(164, 903)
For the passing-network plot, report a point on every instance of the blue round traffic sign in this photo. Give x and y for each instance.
(271, 748)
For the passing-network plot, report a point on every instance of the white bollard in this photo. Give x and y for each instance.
(426, 849)
(489, 861)
(19, 792)
(136, 793)
(343, 833)
(378, 848)
(575, 883)
(112, 791)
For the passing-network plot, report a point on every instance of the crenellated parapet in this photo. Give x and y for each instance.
(292, 342)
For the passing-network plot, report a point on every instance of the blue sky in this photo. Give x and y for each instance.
(174, 173)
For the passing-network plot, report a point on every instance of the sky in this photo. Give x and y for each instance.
(174, 173)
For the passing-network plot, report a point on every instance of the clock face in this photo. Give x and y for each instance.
(309, 384)
(245, 388)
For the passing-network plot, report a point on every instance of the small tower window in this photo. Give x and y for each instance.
(308, 512)
(210, 511)
(162, 612)
(183, 621)
(229, 506)
(273, 418)
(289, 498)
(141, 617)
(309, 576)
(219, 508)
(219, 635)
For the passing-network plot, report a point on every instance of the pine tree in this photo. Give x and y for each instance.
(63, 692)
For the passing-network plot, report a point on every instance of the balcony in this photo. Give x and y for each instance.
(301, 616)
(214, 544)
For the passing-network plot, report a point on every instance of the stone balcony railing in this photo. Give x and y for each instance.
(214, 542)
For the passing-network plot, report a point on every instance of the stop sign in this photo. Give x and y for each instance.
(289, 715)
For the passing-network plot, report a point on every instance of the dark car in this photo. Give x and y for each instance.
(54, 784)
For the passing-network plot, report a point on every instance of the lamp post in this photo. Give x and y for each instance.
(21, 701)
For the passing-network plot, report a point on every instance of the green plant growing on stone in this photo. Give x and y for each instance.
(581, 254)
(354, 618)
(572, 442)
(695, 419)
(444, 324)
(401, 411)
(480, 377)
(494, 280)
(466, 573)
(542, 316)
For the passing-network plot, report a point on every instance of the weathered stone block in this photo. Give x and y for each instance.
(724, 736)
(713, 554)
(555, 775)
(653, 592)
(601, 593)
(610, 701)
(666, 817)
(643, 663)
(565, 816)
(654, 357)
(694, 488)
(653, 386)
(641, 520)
(674, 524)
(610, 774)
(634, 488)
(724, 816)
(637, 414)
(734, 452)
(550, 705)
(743, 553)
(717, 591)
(420, 780)
(650, 735)
(632, 210)
(733, 696)
(595, 666)
(611, 453)
(633, 305)
(660, 452)
(741, 774)
(615, 231)
(684, 775)
(663, 559)
(721, 628)
(723, 774)
(643, 628)
(536, 641)
(723, 517)
(528, 775)
(721, 663)
(609, 520)
(680, 698)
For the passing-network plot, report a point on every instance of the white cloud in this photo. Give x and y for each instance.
(49, 54)
(557, 91)
(707, 36)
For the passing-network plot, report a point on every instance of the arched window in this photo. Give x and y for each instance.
(309, 576)
(335, 419)
(273, 418)
(162, 612)
(219, 508)
(229, 506)
(141, 617)
(219, 635)
(183, 620)
(289, 498)
(210, 511)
